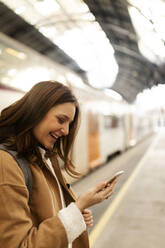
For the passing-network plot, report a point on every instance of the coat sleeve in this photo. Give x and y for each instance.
(16, 226)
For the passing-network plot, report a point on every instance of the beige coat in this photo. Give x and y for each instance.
(37, 225)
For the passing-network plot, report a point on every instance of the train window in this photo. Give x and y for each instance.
(111, 121)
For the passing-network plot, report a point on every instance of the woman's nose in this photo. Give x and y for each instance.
(65, 130)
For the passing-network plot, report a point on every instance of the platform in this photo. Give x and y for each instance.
(135, 216)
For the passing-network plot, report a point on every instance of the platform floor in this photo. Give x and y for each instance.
(135, 216)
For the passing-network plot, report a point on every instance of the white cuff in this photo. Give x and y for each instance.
(73, 221)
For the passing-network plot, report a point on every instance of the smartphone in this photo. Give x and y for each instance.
(117, 174)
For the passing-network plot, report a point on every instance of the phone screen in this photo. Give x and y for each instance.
(117, 174)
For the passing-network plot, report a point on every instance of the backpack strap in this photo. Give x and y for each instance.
(24, 166)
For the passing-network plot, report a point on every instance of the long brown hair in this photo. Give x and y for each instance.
(18, 120)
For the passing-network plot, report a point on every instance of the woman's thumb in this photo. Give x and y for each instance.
(100, 187)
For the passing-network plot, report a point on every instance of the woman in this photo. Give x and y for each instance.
(41, 128)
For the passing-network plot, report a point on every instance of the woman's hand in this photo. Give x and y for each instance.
(88, 217)
(96, 195)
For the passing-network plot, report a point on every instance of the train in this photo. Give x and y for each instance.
(108, 125)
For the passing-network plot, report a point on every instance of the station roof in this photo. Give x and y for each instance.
(135, 71)
(14, 26)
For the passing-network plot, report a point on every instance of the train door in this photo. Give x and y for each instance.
(132, 129)
(94, 156)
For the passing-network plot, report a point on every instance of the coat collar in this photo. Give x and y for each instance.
(57, 170)
(59, 175)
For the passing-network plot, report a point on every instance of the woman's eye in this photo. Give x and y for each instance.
(61, 121)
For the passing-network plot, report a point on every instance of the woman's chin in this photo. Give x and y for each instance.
(49, 146)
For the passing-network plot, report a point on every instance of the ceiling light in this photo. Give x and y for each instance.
(47, 7)
(16, 53)
(12, 72)
(89, 17)
(48, 32)
(20, 10)
(30, 76)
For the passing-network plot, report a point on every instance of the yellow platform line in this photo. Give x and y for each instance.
(114, 204)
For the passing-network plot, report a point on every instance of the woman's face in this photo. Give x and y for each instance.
(54, 124)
